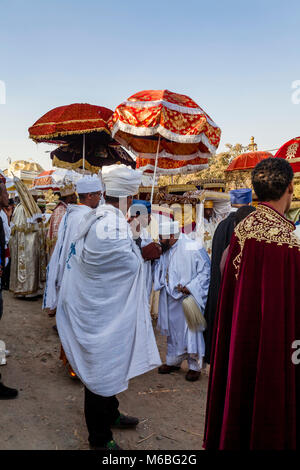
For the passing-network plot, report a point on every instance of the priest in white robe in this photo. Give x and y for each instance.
(103, 316)
(183, 269)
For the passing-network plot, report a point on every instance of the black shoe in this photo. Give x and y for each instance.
(7, 393)
(124, 421)
(192, 375)
(111, 445)
(165, 369)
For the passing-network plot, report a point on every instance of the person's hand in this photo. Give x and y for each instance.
(151, 251)
(183, 290)
(52, 312)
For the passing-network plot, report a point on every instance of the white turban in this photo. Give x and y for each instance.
(168, 228)
(121, 180)
(89, 184)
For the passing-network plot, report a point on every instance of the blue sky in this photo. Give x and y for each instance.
(236, 59)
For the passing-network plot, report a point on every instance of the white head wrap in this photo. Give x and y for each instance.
(89, 184)
(121, 180)
(168, 228)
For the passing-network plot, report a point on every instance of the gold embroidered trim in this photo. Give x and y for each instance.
(264, 225)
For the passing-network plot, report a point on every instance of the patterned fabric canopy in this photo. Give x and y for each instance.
(188, 136)
(78, 118)
(247, 160)
(291, 152)
(45, 181)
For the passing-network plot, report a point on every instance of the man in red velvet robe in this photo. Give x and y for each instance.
(254, 385)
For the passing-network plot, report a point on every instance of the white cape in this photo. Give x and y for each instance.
(68, 229)
(103, 316)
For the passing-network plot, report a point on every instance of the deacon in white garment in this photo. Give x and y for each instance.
(103, 316)
(183, 269)
(140, 219)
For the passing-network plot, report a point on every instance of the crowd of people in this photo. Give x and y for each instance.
(232, 308)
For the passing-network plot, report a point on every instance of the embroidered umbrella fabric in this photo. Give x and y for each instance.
(168, 132)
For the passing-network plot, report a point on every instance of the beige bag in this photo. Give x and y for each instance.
(193, 315)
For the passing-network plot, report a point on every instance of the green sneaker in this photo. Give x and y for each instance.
(111, 445)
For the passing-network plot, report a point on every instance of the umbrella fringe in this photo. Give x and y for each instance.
(174, 171)
(40, 138)
(73, 166)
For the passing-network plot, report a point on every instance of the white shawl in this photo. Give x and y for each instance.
(68, 229)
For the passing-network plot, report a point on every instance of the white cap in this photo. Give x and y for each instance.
(89, 184)
(168, 228)
(121, 180)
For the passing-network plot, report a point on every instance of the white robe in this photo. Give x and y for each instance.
(68, 228)
(188, 264)
(103, 316)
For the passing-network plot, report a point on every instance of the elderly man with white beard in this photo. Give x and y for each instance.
(103, 316)
(183, 269)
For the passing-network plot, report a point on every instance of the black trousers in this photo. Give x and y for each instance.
(100, 413)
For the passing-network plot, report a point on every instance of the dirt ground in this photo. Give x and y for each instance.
(48, 413)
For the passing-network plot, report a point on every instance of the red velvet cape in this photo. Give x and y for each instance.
(254, 388)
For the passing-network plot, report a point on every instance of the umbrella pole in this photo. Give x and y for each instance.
(155, 167)
(83, 153)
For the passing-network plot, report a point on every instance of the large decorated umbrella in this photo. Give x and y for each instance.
(71, 124)
(291, 152)
(168, 132)
(68, 156)
(45, 181)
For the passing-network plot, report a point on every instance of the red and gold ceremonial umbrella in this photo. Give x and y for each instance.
(291, 152)
(168, 132)
(45, 181)
(247, 160)
(71, 124)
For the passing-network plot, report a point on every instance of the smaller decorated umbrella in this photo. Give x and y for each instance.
(45, 181)
(247, 160)
(238, 172)
(68, 156)
(71, 124)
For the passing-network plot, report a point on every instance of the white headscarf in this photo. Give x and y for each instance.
(121, 180)
(89, 184)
